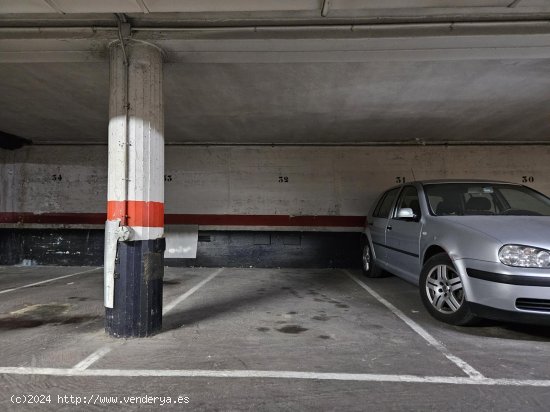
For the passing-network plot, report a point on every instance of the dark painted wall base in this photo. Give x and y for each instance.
(275, 249)
(215, 248)
(65, 247)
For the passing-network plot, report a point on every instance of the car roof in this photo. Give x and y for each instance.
(442, 181)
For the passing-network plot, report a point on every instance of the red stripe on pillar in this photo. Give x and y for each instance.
(140, 213)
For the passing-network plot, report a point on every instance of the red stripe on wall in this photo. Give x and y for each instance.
(267, 220)
(180, 219)
(140, 213)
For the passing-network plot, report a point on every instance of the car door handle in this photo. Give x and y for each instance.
(388, 227)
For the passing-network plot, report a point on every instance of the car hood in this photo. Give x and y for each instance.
(525, 230)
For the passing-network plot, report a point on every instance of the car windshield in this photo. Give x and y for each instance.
(466, 199)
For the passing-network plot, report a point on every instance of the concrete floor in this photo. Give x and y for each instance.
(261, 339)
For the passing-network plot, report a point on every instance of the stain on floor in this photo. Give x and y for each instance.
(42, 310)
(321, 317)
(293, 329)
(37, 315)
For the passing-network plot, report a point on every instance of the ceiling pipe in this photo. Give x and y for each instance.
(54, 6)
(534, 24)
(143, 6)
(124, 32)
(404, 29)
(414, 142)
(325, 8)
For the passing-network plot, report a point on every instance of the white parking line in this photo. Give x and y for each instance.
(104, 350)
(198, 373)
(180, 299)
(48, 280)
(466, 367)
(94, 357)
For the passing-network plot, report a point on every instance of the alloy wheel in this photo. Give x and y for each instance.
(444, 289)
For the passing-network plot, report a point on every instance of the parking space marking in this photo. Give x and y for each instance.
(180, 299)
(104, 350)
(200, 373)
(48, 280)
(466, 367)
(94, 357)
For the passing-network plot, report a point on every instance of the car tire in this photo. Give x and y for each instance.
(442, 292)
(368, 262)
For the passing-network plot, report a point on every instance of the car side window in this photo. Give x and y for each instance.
(384, 206)
(409, 199)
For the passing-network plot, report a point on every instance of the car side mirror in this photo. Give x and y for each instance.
(405, 213)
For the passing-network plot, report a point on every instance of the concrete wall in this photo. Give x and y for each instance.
(53, 198)
(297, 181)
(54, 179)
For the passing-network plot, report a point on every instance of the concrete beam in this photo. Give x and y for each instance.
(290, 44)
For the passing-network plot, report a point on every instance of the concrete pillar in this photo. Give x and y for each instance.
(136, 189)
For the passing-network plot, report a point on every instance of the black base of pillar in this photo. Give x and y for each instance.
(139, 270)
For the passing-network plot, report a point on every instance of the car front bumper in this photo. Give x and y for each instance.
(501, 292)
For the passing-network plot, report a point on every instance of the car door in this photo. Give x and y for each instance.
(403, 236)
(379, 221)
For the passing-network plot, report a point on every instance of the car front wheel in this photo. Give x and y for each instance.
(442, 292)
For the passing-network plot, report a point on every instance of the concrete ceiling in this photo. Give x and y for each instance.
(279, 72)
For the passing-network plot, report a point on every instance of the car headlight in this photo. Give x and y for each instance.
(524, 256)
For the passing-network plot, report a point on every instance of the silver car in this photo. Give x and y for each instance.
(476, 249)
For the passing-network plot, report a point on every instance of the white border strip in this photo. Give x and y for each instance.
(47, 281)
(198, 373)
(466, 367)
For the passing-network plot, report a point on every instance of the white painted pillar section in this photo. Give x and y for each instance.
(118, 135)
(136, 144)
